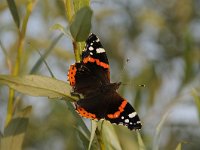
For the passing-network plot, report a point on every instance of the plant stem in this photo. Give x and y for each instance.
(21, 34)
(77, 52)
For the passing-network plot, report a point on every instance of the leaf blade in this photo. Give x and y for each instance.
(15, 131)
(179, 146)
(81, 25)
(140, 142)
(94, 127)
(46, 53)
(79, 4)
(14, 12)
(109, 133)
(36, 85)
(196, 98)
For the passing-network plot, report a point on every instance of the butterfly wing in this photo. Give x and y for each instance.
(111, 107)
(122, 113)
(93, 107)
(94, 57)
(95, 50)
(92, 71)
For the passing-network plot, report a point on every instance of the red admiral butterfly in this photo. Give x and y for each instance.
(91, 78)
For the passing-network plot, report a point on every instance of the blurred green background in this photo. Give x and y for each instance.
(153, 43)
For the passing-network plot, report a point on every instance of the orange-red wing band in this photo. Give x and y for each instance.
(120, 110)
(84, 113)
(92, 60)
(71, 75)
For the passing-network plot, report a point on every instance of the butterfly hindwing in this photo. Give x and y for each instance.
(96, 104)
(111, 107)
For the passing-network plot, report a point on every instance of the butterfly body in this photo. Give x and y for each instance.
(91, 78)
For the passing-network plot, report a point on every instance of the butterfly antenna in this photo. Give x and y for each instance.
(125, 84)
(131, 80)
(131, 83)
(142, 85)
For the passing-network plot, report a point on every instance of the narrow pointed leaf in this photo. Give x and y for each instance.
(69, 9)
(196, 97)
(81, 24)
(79, 120)
(60, 28)
(46, 53)
(158, 131)
(14, 12)
(79, 4)
(46, 64)
(38, 86)
(94, 127)
(1, 137)
(15, 131)
(179, 147)
(84, 133)
(109, 137)
(140, 142)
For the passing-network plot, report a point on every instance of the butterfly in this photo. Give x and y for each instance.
(91, 78)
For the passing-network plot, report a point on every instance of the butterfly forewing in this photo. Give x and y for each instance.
(121, 112)
(95, 53)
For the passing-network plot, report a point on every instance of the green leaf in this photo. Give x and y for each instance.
(179, 147)
(69, 9)
(84, 133)
(140, 142)
(38, 86)
(94, 127)
(197, 100)
(6, 54)
(78, 118)
(15, 131)
(158, 130)
(46, 64)
(78, 4)
(83, 138)
(81, 24)
(14, 12)
(60, 28)
(109, 137)
(47, 52)
(1, 136)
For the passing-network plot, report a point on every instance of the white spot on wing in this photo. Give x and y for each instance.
(100, 50)
(122, 117)
(97, 40)
(126, 120)
(138, 122)
(133, 114)
(91, 48)
(91, 53)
